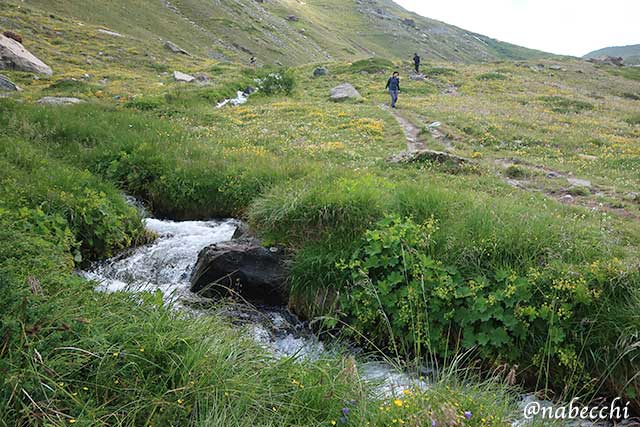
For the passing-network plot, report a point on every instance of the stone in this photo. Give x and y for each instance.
(182, 77)
(553, 175)
(567, 198)
(617, 61)
(59, 100)
(202, 77)
(579, 182)
(175, 49)
(428, 155)
(13, 56)
(241, 268)
(587, 157)
(293, 18)
(344, 92)
(409, 22)
(7, 85)
(320, 71)
(417, 77)
(110, 33)
(249, 90)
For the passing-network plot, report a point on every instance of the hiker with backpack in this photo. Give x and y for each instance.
(393, 85)
(416, 62)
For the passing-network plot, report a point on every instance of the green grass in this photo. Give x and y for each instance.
(312, 175)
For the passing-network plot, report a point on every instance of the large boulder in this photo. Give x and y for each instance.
(7, 85)
(13, 56)
(344, 92)
(241, 268)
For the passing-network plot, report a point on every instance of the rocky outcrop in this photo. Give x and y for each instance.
(618, 61)
(344, 92)
(13, 56)
(175, 49)
(7, 85)
(182, 77)
(244, 269)
(55, 100)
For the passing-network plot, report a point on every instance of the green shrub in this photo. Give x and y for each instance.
(438, 71)
(492, 76)
(633, 120)
(145, 103)
(279, 82)
(372, 65)
(402, 298)
(563, 105)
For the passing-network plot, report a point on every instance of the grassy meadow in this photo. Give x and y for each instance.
(429, 261)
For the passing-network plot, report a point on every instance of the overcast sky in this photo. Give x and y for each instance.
(570, 27)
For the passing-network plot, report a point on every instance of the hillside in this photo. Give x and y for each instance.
(631, 53)
(284, 31)
(484, 236)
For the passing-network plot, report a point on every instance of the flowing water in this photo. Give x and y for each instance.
(166, 265)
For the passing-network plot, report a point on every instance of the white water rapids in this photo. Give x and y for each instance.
(166, 265)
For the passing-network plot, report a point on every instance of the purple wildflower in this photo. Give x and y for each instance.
(433, 423)
(345, 411)
(468, 415)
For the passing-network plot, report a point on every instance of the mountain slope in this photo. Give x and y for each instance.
(631, 53)
(284, 31)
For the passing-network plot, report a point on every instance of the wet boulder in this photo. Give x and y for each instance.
(244, 269)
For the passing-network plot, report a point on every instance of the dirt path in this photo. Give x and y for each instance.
(411, 131)
(558, 185)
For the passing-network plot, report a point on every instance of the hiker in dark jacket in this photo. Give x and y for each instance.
(393, 85)
(416, 62)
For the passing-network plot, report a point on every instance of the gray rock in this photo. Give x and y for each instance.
(344, 92)
(293, 18)
(7, 85)
(428, 155)
(202, 77)
(182, 77)
(567, 198)
(110, 33)
(241, 268)
(554, 175)
(175, 49)
(13, 56)
(59, 100)
(320, 71)
(579, 182)
(409, 22)
(618, 61)
(417, 77)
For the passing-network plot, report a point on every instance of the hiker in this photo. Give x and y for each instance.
(253, 61)
(416, 62)
(393, 84)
